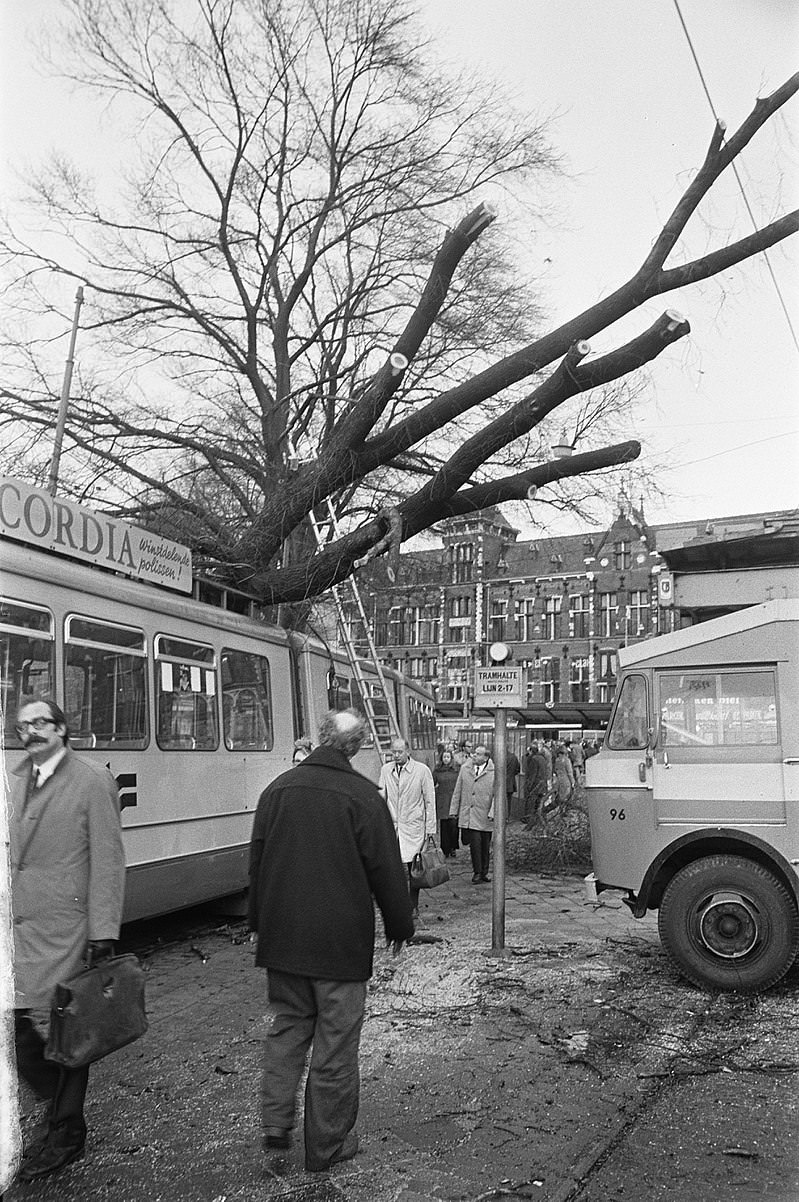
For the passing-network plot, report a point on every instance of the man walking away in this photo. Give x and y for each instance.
(536, 785)
(322, 847)
(407, 785)
(512, 770)
(67, 889)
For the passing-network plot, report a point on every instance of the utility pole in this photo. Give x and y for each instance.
(63, 405)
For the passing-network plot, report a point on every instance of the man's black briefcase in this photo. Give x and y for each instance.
(97, 1012)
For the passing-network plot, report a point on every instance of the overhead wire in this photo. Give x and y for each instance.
(764, 252)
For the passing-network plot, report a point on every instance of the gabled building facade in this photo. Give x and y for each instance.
(565, 604)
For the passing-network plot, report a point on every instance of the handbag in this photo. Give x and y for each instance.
(97, 1012)
(429, 867)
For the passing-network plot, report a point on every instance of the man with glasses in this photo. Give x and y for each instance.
(67, 888)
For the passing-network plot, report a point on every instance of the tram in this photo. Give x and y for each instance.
(193, 707)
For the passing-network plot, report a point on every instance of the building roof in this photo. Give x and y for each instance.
(745, 536)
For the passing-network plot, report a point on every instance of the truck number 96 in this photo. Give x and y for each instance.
(614, 814)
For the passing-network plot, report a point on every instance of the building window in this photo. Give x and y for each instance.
(578, 679)
(459, 619)
(381, 628)
(638, 612)
(421, 667)
(579, 616)
(550, 680)
(398, 626)
(551, 618)
(608, 614)
(525, 619)
(427, 624)
(621, 555)
(461, 561)
(497, 619)
(529, 666)
(607, 666)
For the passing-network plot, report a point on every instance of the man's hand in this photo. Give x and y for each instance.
(98, 950)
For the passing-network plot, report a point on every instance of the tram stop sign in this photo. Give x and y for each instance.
(499, 687)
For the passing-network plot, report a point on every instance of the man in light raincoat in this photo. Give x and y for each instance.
(410, 794)
(67, 889)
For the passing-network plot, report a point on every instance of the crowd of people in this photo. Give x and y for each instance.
(327, 846)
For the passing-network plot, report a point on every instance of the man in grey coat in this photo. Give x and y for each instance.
(67, 889)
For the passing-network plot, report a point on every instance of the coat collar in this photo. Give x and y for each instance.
(24, 766)
(326, 757)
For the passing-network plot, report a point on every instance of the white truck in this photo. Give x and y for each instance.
(693, 799)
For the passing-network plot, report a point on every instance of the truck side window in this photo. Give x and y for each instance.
(630, 725)
(712, 709)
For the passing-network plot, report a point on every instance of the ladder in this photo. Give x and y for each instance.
(324, 531)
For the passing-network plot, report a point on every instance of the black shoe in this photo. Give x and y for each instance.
(347, 1151)
(476, 879)
(48, 1159)
(485, 879)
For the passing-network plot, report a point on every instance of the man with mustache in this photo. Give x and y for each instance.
(67, 888)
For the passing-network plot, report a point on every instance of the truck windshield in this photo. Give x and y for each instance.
(630, 724)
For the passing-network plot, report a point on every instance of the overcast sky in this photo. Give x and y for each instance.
(632, 121)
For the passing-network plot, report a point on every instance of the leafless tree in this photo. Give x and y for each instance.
(306, 258)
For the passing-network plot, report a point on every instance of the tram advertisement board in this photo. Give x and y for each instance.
(33, 516)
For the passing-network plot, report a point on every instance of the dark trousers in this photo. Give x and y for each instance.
(449, 835)
(479, 845)
(533, 804)
(64, 1088)
(329, 1016)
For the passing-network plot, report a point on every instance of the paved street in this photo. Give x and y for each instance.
(576, 1066)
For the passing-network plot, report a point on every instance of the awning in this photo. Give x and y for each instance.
(592, 714)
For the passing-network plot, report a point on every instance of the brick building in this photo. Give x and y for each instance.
(565, 604)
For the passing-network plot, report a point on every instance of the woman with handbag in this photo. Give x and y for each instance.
(473, 806)
(445, 775)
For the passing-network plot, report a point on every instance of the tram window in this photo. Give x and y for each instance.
(246, 701)
(379, 707)
(341, 693)
(105, 698)
(27, 653)
(422, 724)
(185, 686)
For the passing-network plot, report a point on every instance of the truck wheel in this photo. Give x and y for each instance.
(728, 923)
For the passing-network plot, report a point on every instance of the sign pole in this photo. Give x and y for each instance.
(63, 405)
(499, 687)
(500, 803)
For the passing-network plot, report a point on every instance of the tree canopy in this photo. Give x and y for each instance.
(300, 293)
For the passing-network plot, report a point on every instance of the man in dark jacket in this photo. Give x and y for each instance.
(323, 845)
(536, 784)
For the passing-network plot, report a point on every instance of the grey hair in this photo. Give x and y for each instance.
(344, 730)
